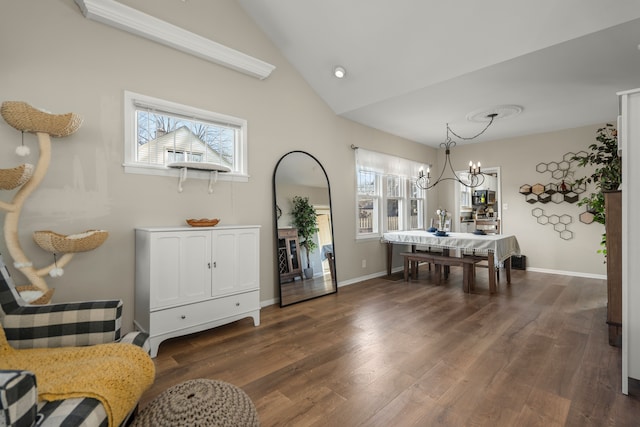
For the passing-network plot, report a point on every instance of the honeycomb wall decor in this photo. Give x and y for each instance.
(587, 217)
(563, 190)
(555, 192)
(558, 222)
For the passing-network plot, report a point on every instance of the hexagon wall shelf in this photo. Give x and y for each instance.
(587, 217)
(545, 193)
(559, 223)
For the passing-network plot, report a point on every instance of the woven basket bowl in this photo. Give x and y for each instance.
(24, 117)
(204, 222)
(15, 177)
(60, 243)
(44, 299)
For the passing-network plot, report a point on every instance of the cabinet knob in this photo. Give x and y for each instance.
(237, 304)
(183, 317)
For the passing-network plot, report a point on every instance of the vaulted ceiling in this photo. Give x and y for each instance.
(415, 65)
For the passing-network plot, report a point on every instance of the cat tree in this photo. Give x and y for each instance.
(26, 177)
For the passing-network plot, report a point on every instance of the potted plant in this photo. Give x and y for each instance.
(607, 175)
(305, 220)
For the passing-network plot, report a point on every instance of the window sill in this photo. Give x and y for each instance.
(175, 172)
(368, 237)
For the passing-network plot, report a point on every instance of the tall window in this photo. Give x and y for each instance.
(395, 191)
(368, 202)
(416, 207)
(159, 133)
(387, 197)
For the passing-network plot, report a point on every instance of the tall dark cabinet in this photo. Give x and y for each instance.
(613, 229)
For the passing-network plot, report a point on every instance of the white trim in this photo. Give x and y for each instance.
(133, 21)
(195, 174)
(536, 270)
(367, 277)
(568, 273)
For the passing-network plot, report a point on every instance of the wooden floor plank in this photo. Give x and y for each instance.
(388, 352)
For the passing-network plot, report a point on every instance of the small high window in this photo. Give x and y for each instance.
(159, 133)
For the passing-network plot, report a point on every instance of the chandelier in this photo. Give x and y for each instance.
(475, 175)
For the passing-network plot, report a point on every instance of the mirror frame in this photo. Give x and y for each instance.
(276, 214)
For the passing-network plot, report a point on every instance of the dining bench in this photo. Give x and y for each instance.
(440, 260)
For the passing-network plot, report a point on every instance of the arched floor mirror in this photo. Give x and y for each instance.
(302, 274)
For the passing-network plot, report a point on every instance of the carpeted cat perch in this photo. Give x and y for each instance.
(27, 178)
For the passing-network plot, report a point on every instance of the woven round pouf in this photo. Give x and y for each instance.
(198, 403)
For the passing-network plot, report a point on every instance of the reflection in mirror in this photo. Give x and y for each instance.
(303, 274)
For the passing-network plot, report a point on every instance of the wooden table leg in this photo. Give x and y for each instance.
(414, 264)
(466, 277)
(332, 267)
(406, 269)
(507, 269)
(389, 257)
(492, 272)
(438, 273)
(447, 269)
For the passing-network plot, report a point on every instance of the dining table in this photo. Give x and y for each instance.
(497, 248)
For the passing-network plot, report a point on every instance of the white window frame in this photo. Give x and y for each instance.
(384, 166)
(378, 207)
(132, 100)
(403, 211)
(421, 198)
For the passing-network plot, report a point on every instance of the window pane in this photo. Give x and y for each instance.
(367, 183)
(163, 138)
(394, 217)
(416, 192)
(394, 186)
(416, 214)
(368, 215)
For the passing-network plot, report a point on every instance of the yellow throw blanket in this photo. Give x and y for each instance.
(115, 374)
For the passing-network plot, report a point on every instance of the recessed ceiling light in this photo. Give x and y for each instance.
(339, 72)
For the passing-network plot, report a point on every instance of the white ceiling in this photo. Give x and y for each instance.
(415, 65)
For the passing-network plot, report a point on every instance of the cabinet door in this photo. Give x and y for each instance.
(236, 264)
(180, 267)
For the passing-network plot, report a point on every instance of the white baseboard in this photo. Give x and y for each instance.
(367, 277)
(269, 302)
(397, 269)
(568, 273)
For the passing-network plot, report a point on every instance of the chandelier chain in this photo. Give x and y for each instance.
(493, 116)
(474, 178)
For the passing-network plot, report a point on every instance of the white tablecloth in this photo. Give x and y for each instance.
(502, 245)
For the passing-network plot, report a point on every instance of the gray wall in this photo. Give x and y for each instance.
(517, 159)
(55, 59)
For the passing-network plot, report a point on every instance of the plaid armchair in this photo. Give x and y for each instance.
(54, 325)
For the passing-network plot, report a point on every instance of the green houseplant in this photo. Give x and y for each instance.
(305, 220)
(607, 175)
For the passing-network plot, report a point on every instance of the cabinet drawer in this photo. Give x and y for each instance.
(176, 318)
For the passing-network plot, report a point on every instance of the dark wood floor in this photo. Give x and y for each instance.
(385, 352)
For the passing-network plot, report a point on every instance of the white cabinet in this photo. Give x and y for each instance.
(192, 279)
(467, 227)
(629, 144)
